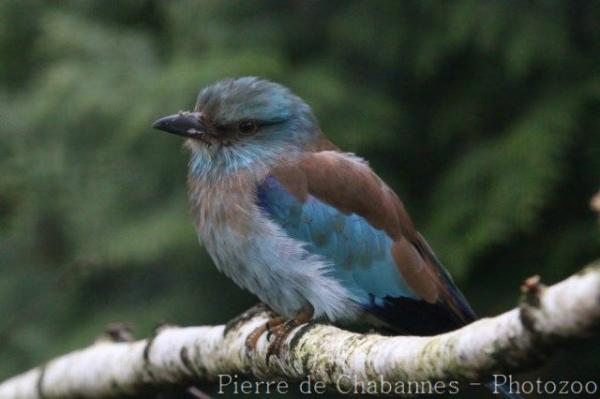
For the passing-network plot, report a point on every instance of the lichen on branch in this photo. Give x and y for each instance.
(338, 359)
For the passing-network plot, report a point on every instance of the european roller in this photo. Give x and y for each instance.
(309, 229)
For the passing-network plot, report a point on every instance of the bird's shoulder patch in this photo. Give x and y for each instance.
(347, 183)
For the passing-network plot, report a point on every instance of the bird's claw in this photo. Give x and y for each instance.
(277, 329)
(252, 340)
(254, 336)
(280, 332)
(269, 331)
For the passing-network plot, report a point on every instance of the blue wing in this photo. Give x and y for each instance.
(362, 260)
(360, 253)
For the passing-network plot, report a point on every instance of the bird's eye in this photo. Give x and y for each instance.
(247, 127)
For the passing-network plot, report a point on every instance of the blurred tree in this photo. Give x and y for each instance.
(482, 115)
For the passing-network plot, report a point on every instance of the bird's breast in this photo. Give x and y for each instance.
(225, 205)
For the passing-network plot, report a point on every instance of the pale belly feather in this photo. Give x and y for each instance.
(258, 255)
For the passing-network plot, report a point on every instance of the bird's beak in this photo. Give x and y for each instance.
(187, 124)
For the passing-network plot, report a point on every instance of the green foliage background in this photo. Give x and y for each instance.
(482, 115)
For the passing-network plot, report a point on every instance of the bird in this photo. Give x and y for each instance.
(309, 229)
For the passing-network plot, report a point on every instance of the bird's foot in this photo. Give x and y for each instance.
(278, 334)
(252, 339)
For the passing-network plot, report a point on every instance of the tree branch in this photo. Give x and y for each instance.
(515, 340)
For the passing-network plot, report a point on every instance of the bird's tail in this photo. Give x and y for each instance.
(502, 390)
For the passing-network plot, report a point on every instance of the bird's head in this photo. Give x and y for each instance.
(238, 122)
